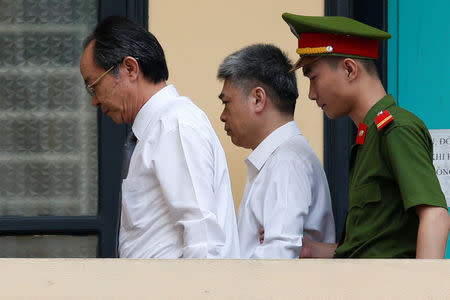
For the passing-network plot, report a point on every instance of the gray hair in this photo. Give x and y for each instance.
(262, 65)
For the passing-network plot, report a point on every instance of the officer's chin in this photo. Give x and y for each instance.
(332, 116)
(329, 116)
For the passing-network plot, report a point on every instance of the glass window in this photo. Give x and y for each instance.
(48, 129)
(38, 246)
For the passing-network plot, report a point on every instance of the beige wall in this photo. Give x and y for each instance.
(223, 279)
(198, 34)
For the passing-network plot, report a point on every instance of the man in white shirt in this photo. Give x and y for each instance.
(176, 198)
(286, 195)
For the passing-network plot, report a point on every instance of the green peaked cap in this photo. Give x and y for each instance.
(336, 25)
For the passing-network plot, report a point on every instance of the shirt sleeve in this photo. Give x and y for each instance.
(410, 151)
(184, 166)
(286, 204)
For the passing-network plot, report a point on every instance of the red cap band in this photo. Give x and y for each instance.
(344, 44)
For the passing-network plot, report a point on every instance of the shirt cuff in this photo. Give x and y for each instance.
(196, 251)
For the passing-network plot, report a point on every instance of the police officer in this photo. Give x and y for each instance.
(396, 207)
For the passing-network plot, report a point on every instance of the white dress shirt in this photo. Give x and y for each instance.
(286, 194)
(177, 200)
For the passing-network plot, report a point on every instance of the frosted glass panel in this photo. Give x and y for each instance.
(48, 246)
(48, 129)
(61, 12)
(35, 48)
(41, 90)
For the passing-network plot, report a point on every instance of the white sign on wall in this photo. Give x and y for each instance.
(441, 159)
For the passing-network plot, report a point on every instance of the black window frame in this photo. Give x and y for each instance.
(339, 135)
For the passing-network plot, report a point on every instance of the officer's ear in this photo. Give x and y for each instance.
(351, 68)
(258, 97)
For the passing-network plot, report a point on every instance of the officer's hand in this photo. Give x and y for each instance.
(306, 248)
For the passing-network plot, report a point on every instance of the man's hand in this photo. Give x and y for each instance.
(313, 249)
(310, 248)
(261, 236)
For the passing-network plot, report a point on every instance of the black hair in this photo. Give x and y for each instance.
(118, 37)
(368, 64)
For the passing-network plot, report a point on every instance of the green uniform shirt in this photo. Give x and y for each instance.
(389, 174)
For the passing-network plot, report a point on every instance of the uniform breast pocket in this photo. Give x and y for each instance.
(362, 201)
(135, 195)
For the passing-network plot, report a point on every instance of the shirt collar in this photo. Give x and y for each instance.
(261, 153)
(385, 102)
(150, 108)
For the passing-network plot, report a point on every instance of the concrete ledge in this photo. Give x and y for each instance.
(224, 279)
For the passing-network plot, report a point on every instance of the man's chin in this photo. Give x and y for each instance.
(240, 144)
(236, 142)
(116, 119)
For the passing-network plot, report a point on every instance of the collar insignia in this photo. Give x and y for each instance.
(361, 134)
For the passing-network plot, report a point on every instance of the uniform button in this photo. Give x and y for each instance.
(361, 132)
(329, 48)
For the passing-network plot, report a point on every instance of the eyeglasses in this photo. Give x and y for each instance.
(90, 87)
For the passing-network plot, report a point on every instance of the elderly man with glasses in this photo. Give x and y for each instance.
(176, 197)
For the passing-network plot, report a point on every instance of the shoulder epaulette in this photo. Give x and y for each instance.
(382, 119)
